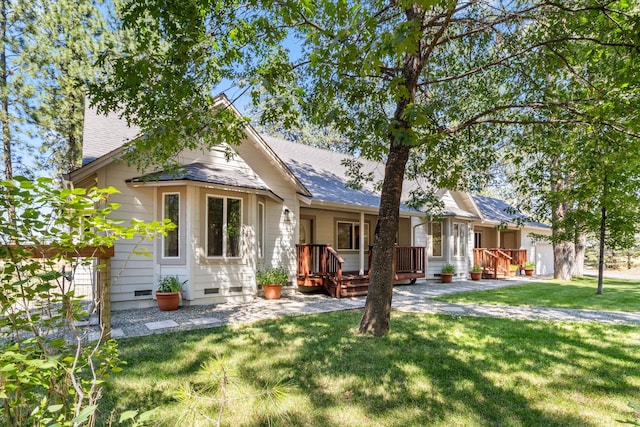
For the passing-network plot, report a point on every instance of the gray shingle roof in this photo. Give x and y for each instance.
(322, 172)
(103, 134)
(497, 210)
(199, 172)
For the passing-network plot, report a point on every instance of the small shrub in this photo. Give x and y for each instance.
(476, 269)
(50, 373)
(448, 269)
(170, 284)
(272, 276)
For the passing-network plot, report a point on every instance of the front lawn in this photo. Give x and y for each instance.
(618, 295)
(430, 370)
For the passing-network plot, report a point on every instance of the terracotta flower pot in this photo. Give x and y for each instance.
(446, 278)
(476, 275)
(529, 272)
(168, 301)
(272, 291)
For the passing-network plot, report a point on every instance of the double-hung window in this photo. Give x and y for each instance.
(349, 235)
(436, 239)
(224, 227)
(260, 233)
(171, 211)
(458, 239)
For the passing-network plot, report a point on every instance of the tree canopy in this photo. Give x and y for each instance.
(46, 59)
(433, 88)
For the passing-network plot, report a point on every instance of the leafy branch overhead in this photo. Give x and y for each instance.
(433, 88)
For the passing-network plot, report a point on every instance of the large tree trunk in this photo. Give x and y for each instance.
(74, 132)
(580, 247)
(563, 256)
(563, 246)
(4, 81)
(377, 309)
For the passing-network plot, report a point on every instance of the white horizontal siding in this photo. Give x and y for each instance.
(130, 272)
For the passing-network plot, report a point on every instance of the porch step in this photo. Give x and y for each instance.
(353, 292)
(488, 274)
(352, 285)
(311, 280)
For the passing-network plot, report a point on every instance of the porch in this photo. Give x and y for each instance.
(496, 262)
(320, 266)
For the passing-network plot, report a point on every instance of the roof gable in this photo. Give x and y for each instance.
(106, 134)
(453, 207)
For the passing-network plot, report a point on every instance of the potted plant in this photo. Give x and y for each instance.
(529, 268)
(513, 268)
(476, 272)
(272, 280)
(447, 272)
(168, 293)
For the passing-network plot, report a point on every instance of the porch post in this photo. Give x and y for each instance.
(361, 237)
(104, 298)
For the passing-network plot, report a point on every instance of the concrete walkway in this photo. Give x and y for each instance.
(407, 298)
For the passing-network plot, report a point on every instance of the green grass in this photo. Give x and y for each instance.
(618, 295)
(429, 370)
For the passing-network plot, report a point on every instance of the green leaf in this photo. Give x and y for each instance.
(55, 408)
(128, 415)
(84, 414)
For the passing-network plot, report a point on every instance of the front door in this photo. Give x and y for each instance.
(509, 240)
(306, 231)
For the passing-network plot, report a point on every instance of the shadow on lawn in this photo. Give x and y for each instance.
(428, 370)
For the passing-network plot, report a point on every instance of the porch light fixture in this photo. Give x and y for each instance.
(287, 215)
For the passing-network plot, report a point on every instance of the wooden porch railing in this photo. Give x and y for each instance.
(321, 265)
(518, 257)
(487, 260)
(333, 269)
(409, 262)
(497, 261)
(317, 264)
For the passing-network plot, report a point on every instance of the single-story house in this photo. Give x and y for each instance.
(277, 203)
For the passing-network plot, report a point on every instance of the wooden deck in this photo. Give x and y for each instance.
(496, 262)
(321, 266)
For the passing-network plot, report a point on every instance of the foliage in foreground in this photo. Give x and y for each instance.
(429, 370)
(579, 293)
(50, 374)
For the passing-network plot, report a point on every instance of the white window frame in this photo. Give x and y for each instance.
(225, 219)
(175, 230)
(459, 233)
(355, 239)
(260, 235)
